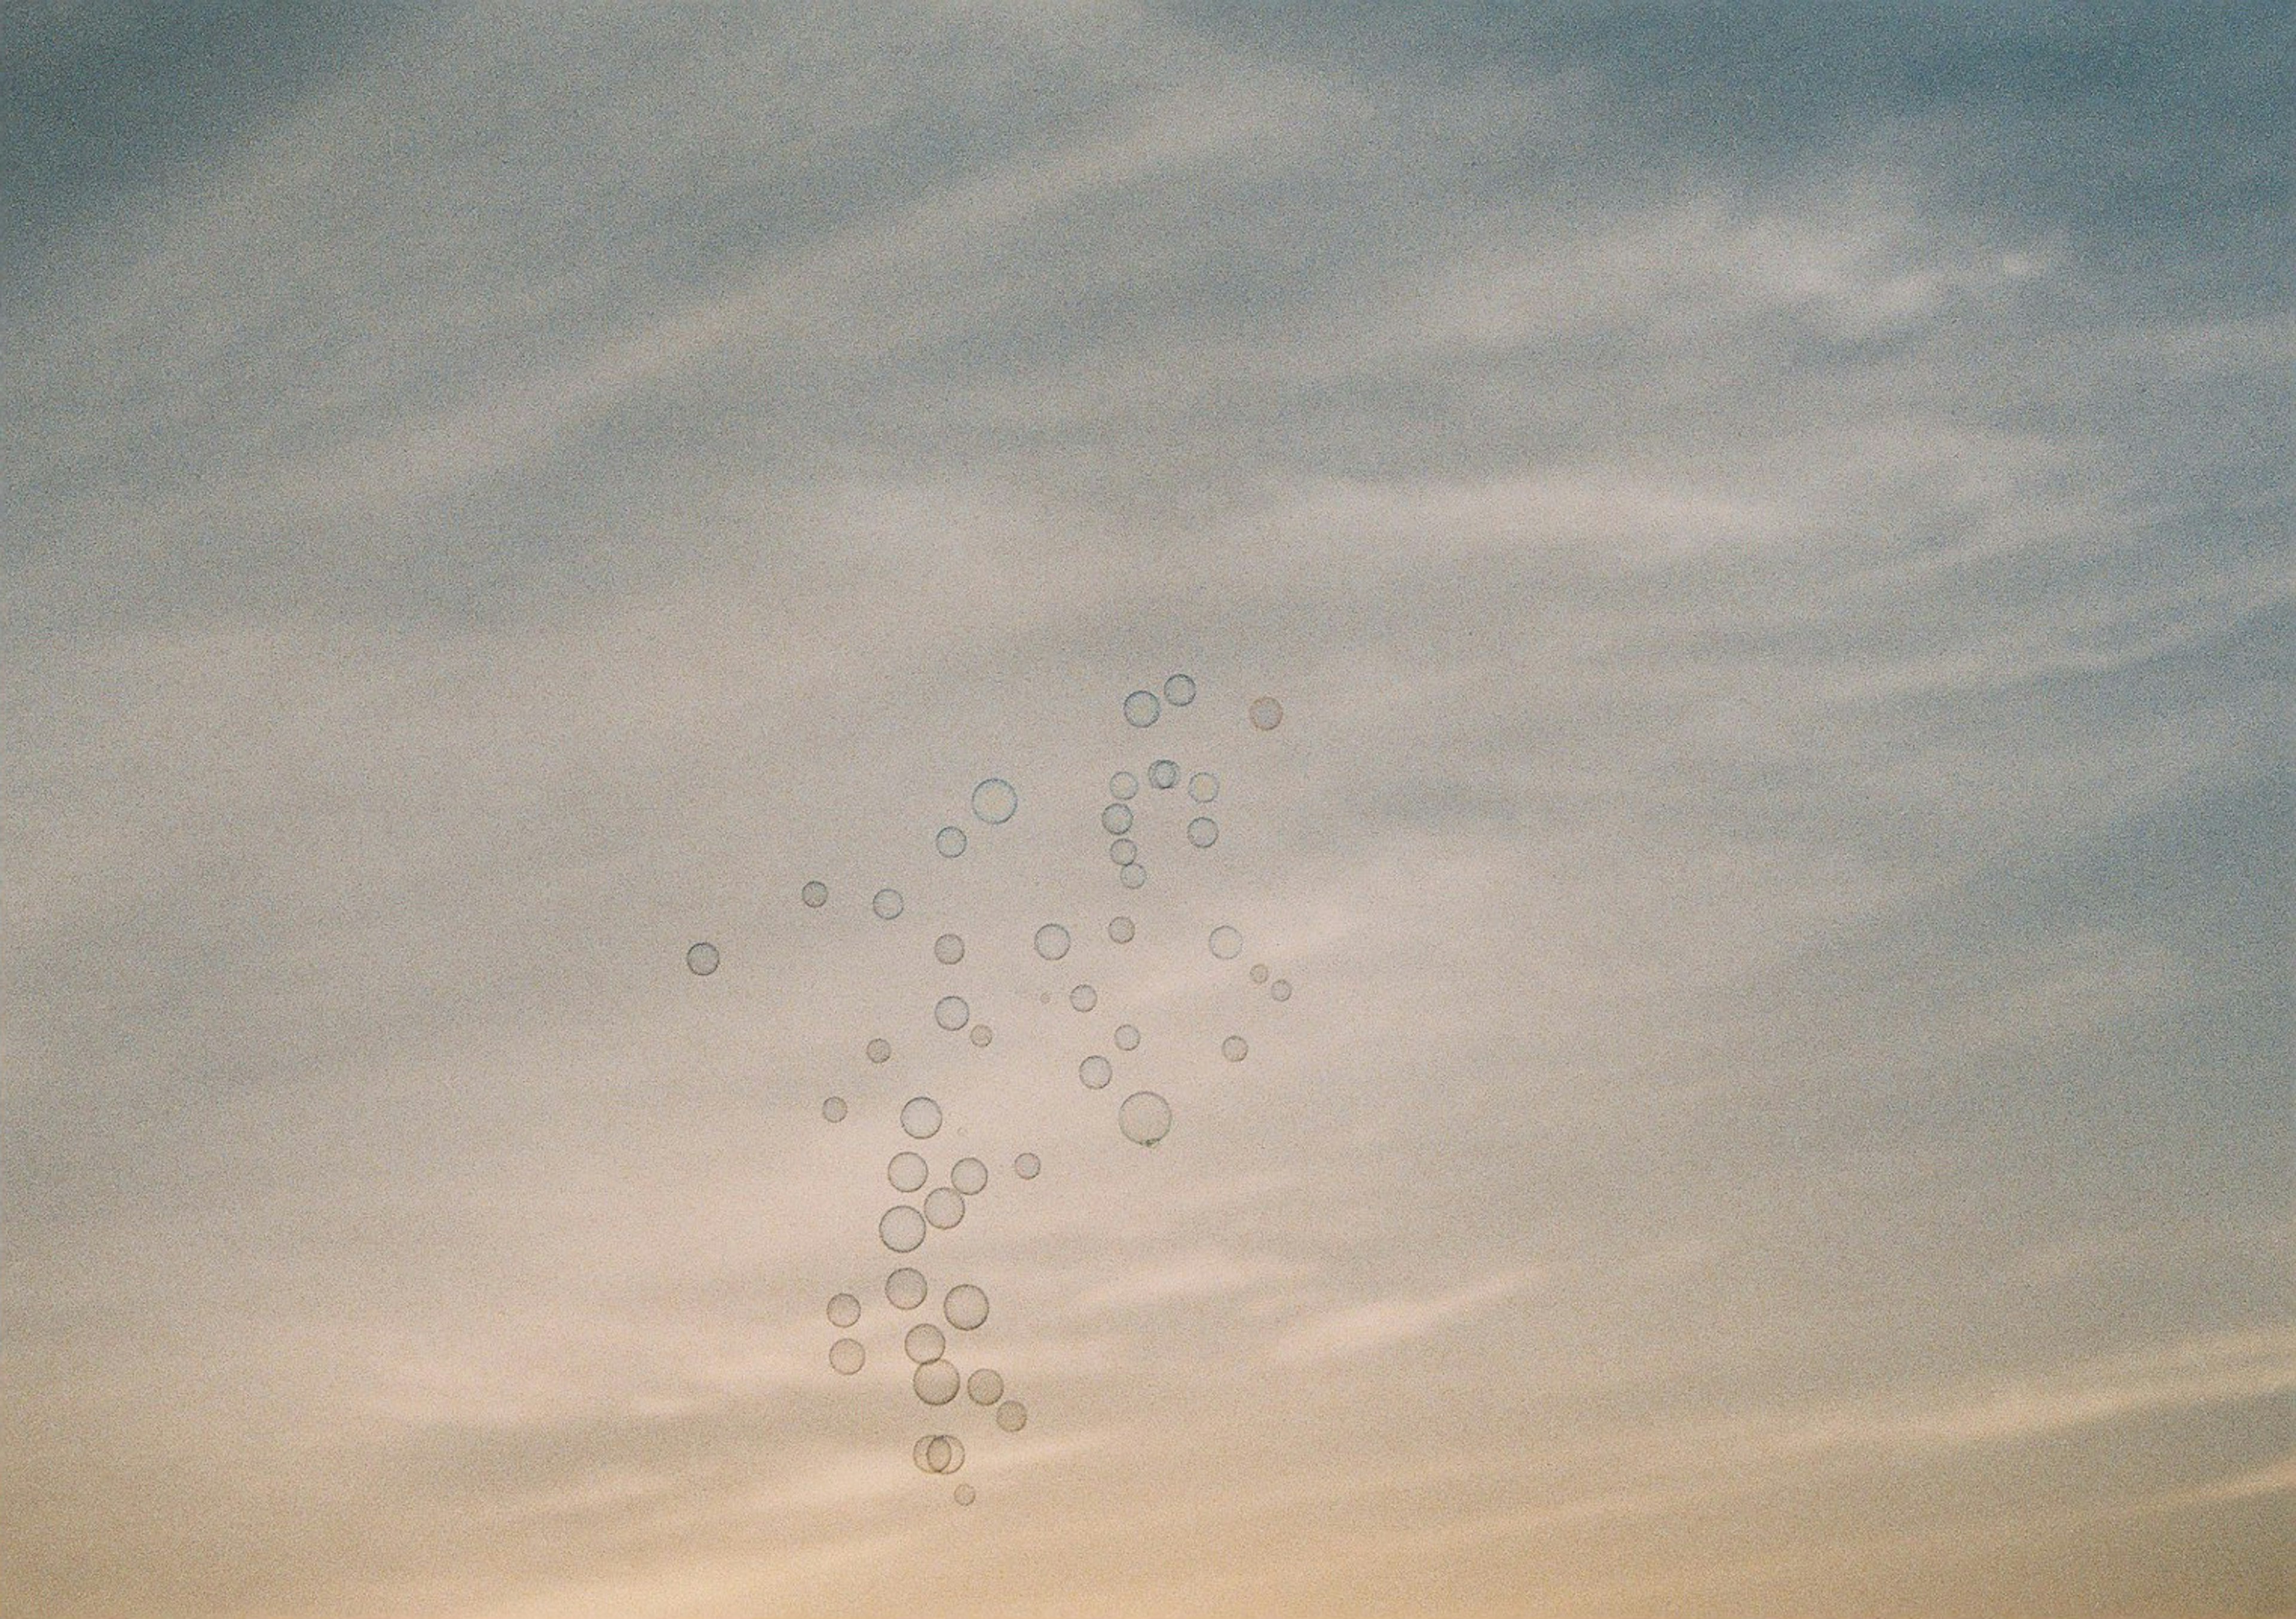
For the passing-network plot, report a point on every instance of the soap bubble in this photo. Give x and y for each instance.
(904, 1288)
(907, 1172)
(944, 1208)
(921, 1118)
(1084, 997)
(1145, 1118)
(936, 1382)
(1260, 972)
(924, 1343)
(832, 1108)
(1163, 773)
(1179, 691)
(1141, 708)
(1132, 875)
(902, 1228)
(1116, 819)
(702, 958)
(994, 801)
(1203, 787)
(984, 1388)
(1051, 941)
(1267, 714)
(1203, 832)
(982, 1035)
(887, 904)
(1128, 1038)
(1120, 929)
(1281, 989)
(965, 1495)
(846, 1356)
(1227, 943)
(1124, 852)
(969, 1176)
(965, 1305)
(844, 1310)
(1028, 1166)
(949, 949)
(1096, 1071)
(1123, 784)
(880, 1050)
(951, 1013)
(950, 841)
(938, 1452)
(815, 895)
(1012, 1416)
(1233, 1048)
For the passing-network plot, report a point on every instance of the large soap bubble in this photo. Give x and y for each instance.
(1203, 787)
(1267, 714)
(1132, 875)
(921, 1118)
(952, 1013)
(994, 801)
(984, 1388)
(1281, 990)
(1225, 943)
(1260, 972)
(844, 1310)
(832, 1108)
(1164, 772)
(949, 841)
(1141, 708)
(1203, 832)
(815, 895)
(846, 1356)
(902, 1228)
(887, 904)
(939, 1453)
(1096, 1071)
(1124, 852)
(907, 1172)
(1179, 691)
(1122, 785)
(1128, 1038)
(936, 1382)
(1012, 1416)
(965, 1305)
(923, 1342)
(948, 949)
(1084, 997)
(701, 960)
(1145, 1118)
(1116, 819)
(1235, 1049)
(904, 1288)
(944, 1207)
(1028, 1166)
(1120, 929)
(969, 1176)
(1051, 941)
(880, 1050)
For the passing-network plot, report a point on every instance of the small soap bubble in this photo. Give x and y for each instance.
(1122, 785)
(1028, 1166)
(1281, 989)
(965, 1495)
(1227, 943)
(949, 841)
(965, 1305)
(921, 1118)
(952, 1013)
(1203, 832)
(946, 1453)
(815, 895)
(1233, 1048)
(1124, 852)
(1120, 929)
(1128, 1038)
(936, 1382)
(1012, 1416)
(969, 1176)
(944, 1208)
(887, 904)
(904, 1288)
(844, 1309)
(994, 801)
(984, 1388)
(1084, 997)
(1267, 714)
(1203, 787)
(902, 1228)
(1133, 876)
(1164, 772)
(907, 1172)
(1179, 691)
(1145, 1118)
(1116, 819)
(1141, 708)
(949, 949)
(846, 1356)
(832, 1108)
(701, 960)
(923, 1342)
(1096, 1071)
(880, 1050)
(1051, 941)
(1260, 972)
(982, 1035)
(922, 1453)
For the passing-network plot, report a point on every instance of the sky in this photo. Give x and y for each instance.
(1768, 526)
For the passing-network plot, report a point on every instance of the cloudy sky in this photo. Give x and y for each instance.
(1771, 533)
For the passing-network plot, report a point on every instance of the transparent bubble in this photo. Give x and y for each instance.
(1116, 819)
(984, 1388)
(1084, 997)
(1122, 785)
(1267, 714)
(1260, 972)
(1227, 943)
(952, 1013)
(904, 1288)
(1203, 832)
(902, 1228)
(1235, 1049)
(949, 949)
(969, 1176)
(887, 904)
(925, 1456)
(1281, 989)
(1179, 691)
(965, 1305)
(1096, 1071)
(1145, 1118)
(1141, 708)
(1028, 1166)
(832, 1108)
(702, 960)
(1128, 1038)
(921, 1118)
(880, 1050)
(982, 1035)
(1133, 876)
(1203, 787)
(994, 801)
(1012, 1416)
(1164, 772)
(924, 1343)
(964, 1495)
(1124, 852)
(949, 841)
(845, 1355)
(907, 1172)
(844, 1309)
(1120, 929)
(815, 895)
(944, 1208)
(936, 1382)
(1051, 941)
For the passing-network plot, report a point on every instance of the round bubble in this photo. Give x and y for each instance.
(1141, 708)
(815, 895)
(1128, 1038)
(880, 1050)
(994, 801)
(1203, 832)
(1260, 972)
(936, 1382)
(1116, 819)
(1233, 1048)
(1281, 989)
(949, 949)
(951, 1013)
(1267, 714)
(949, 841)
(1145, 1118)
(1164, 772)
(1120, 929)
(984, 1388)
(921, 1118)
(902, 1228)
(924, 1343)
(702, 960)
(965, 1305)
(832, 1108)
(1179, 691)
(1124, 852)
(1133, 876)
(845, 1355)
(964, 1495)
(1227, 943)
(904, 1288)
(1051, 941)
(907, 1172)
(1203, 787)
(1028, 1166)
(1012, 1416)
(924, 1454)
(1084, 997)
(1096, 1071)
(844, 1310)
(969, 1176)
(944, 1208)
(982, 1035)
(887, 904)
(1123, 784)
